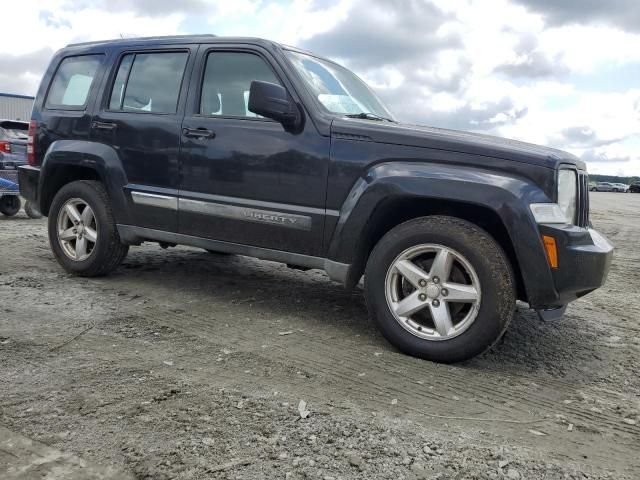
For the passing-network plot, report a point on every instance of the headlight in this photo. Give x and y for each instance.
(547, 213)
(565, 210)
(567, 193)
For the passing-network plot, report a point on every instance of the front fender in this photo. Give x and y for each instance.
(101, 158)
(508, 196)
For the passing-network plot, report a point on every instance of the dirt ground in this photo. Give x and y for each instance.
(187, 365)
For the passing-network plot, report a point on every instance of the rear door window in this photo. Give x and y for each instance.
(72, 82)
(149, 82)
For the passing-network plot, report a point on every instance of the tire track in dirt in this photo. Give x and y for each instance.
(241, 304)
(507, 403)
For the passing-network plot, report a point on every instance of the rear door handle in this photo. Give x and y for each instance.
(104, 125)
(198, 133)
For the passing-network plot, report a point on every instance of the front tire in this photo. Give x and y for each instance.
(440, 288)
(82, 230)
(9, 205)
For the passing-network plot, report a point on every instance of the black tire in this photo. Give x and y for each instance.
(494, 272)
(108, 251)
(32, 211)
(9, 205)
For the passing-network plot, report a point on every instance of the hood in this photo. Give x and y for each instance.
(452, 140)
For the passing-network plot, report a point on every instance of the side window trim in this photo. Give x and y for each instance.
(108, 90)
(197, 107)
(126, 81)
(90, 91)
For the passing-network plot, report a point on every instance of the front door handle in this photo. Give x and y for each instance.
(104, 125)
(198, 133)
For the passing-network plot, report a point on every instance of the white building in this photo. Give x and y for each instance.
(15, 107)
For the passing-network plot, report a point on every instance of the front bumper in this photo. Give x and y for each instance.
(584, 258)
(28, 178)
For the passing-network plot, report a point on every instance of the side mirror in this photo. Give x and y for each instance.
(272, 101)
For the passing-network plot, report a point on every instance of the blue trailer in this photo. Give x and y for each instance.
(10, 196)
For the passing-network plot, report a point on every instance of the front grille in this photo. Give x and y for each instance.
(582, 208)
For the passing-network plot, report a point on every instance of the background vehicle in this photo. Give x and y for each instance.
(634, 187)
(620, 187)
(13, 143)
(289, 157)
(10, 196)
(603, 187)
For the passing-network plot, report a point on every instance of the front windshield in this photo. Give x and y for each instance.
(336, 88)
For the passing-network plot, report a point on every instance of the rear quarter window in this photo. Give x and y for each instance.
(72, 82)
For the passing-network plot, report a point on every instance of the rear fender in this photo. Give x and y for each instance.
(97, 157)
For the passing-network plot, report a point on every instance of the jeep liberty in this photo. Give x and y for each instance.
(245, 146)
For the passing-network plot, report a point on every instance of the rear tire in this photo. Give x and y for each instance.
(85, 242)
(449, 316)
(9, 205)
(32, 211)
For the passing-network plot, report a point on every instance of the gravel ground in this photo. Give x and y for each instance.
(187, 365)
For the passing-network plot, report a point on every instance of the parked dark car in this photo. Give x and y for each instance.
(13, 144)
(246, 146)
(634, 187)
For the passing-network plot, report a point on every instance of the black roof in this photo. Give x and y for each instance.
(165, 40)
(88, 47)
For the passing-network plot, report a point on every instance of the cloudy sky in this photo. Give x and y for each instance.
(564, 73)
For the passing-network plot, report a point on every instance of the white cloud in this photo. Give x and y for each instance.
(56, 23)
(527, 69)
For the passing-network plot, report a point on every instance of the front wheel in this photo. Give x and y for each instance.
(9, 205)
(82, 230)
(440, 288)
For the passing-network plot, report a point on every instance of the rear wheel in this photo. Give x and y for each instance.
(82, 230)
(440, 288)
(9, 205)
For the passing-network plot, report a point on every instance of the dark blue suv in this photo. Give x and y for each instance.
(245, 146)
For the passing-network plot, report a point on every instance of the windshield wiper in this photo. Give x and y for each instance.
(369, 116)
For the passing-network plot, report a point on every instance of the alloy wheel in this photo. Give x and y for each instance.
(77, 229)
(433, 292)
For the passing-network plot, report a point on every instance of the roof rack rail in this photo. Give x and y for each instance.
(142, 39)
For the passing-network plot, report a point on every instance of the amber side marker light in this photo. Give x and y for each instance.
(551, 249)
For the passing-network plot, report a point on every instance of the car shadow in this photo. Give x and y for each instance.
(561, 349)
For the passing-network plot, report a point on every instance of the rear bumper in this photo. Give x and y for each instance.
(9, 161)
(584, 258)
(28, 178)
